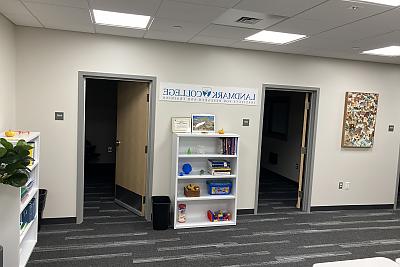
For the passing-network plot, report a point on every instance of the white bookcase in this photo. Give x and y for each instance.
(202, 148)
(18, 243)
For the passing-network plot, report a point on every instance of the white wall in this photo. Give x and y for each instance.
(48, 63)
(289, 150)
(7, 74)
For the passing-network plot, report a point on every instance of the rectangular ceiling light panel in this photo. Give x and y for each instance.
(117, 19)
(379, 2)
(390, 51)
(272, 37)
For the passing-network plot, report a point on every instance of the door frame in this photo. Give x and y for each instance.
(311, 129)
(82, 76)
(397, 183)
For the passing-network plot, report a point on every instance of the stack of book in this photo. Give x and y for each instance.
(218, 167)
(28, 214)
(26, 188)
(229, 145)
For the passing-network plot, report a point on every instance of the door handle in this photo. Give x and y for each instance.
(117, 143)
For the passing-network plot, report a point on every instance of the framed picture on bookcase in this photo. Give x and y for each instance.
(203, 123)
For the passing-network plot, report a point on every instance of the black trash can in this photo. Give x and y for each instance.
(42, 204)
(1, 256)
(161, 212)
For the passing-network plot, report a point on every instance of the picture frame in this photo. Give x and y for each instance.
(203, 123)
(181, 124)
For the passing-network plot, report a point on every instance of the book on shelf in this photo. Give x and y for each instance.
(229, 145)
(28, 214)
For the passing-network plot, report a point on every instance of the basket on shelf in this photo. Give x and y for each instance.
(192, 190)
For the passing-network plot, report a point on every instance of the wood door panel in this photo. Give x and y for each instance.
(132, 130)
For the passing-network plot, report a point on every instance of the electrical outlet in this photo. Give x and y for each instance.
(297, 166)
(347, 186)
(340, 185)
(109, 149)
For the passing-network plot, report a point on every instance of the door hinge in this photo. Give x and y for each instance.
(145, 149)
(300, 194)
(303, 150)
(148, 98)
(307, 105)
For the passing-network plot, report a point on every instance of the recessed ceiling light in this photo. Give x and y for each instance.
(274, 37)
(380, 2)
(117, 19)
(390, 51)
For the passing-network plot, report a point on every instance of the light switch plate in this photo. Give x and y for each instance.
(246, 122)
(59, 116)
(391, 128)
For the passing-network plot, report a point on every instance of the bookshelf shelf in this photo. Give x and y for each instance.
(206, 151)
(18, 243)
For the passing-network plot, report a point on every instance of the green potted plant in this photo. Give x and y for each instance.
(14, 162)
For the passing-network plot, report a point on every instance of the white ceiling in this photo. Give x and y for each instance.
(334, 28)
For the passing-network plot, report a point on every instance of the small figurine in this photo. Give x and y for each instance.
(202, 172)
(189, 151)
(221, 131)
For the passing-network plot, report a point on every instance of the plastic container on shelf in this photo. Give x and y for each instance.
(223, 187)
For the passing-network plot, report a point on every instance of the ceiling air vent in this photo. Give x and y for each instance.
(248, 20)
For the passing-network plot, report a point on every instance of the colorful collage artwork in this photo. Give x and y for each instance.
(359, 119)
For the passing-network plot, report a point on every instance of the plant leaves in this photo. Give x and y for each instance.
(18, 179)
(7, 145)
(3, 151)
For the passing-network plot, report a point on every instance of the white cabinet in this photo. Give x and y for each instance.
(19, 240)
(197, 150)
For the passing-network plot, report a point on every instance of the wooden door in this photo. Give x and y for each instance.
(303, 149)
(131, 158)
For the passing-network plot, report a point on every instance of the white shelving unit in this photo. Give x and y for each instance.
(18, 243)
(203, 147)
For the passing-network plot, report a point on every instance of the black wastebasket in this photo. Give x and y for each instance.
(1, 256)
(42, 204)
(161, 212)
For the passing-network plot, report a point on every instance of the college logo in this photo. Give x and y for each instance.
(212, 95)
(207, 91)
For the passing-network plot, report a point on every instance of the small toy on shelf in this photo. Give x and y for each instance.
(202, 172)
(192, 190)
(186, 168)
(189, 151)
(182, 213)
(221, 131)
(219, 215)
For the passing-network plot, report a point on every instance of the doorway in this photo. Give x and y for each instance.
(115, 142)
(287, 131)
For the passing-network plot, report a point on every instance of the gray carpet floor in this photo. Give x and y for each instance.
(279, 236)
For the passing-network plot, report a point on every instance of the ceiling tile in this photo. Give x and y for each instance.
(120, 31)
(167, 25)
(24, 19)
(188, 12)
(69, 3)
(140, 7)
(286, 8)
(338, 12)
(168, 36)
(208, 40)
(379, 41)
(301, 26)
(231, 16)
(290, 48)
(17, 13)
(61, 17)
(227, 32)
(219, 3)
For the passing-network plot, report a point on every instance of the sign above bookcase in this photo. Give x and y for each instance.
(193, 93)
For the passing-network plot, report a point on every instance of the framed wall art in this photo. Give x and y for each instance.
(203, 123)
(181, 124)
(359, 119)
